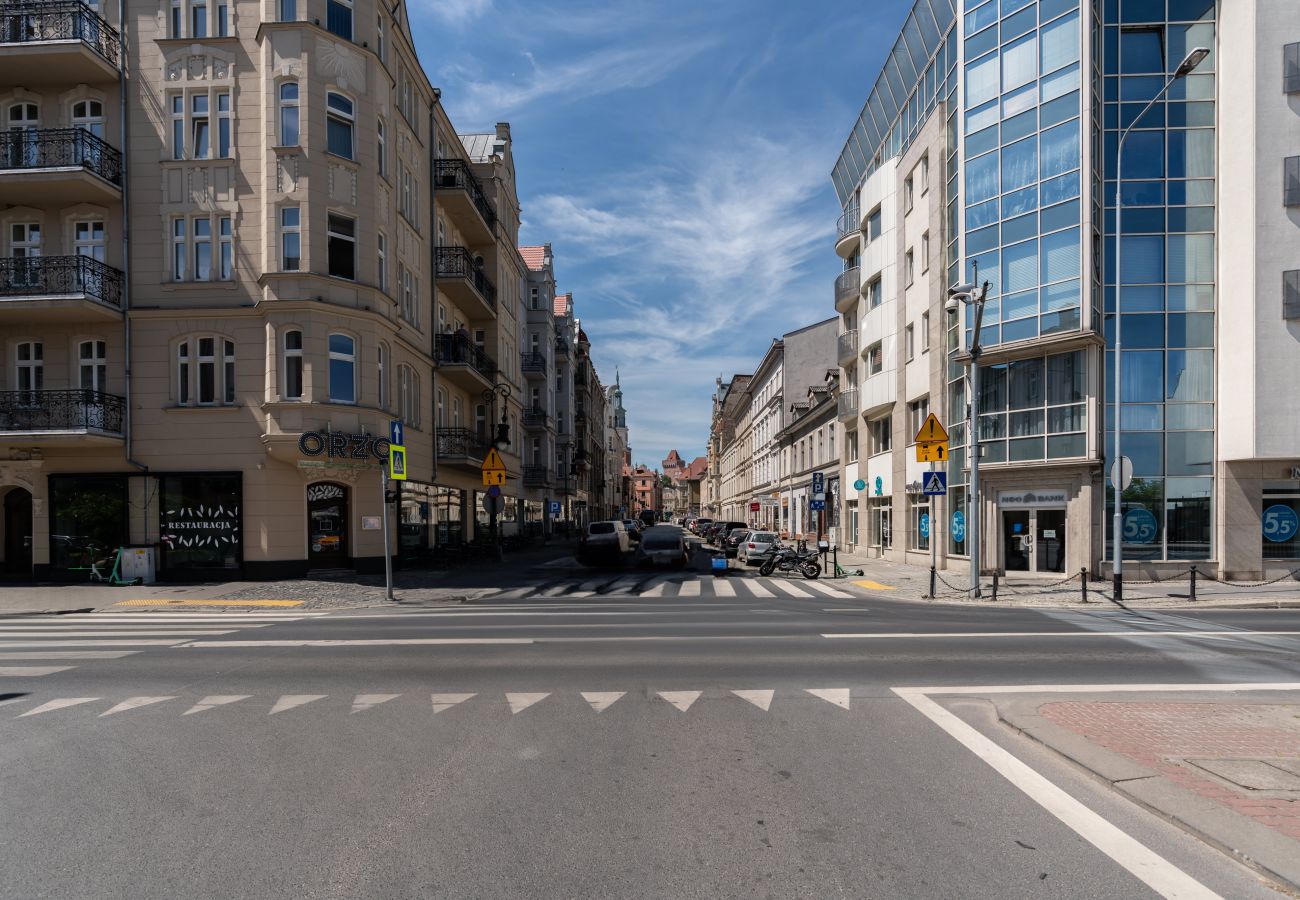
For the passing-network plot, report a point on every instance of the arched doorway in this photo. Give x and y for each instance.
(327, 526)
(17, 532)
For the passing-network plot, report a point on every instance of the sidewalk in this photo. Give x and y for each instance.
(908, 582)
(1224, 766)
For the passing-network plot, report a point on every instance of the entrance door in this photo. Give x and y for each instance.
(18, 532)
(327, 526)
(1017, 540)
(1049, 535)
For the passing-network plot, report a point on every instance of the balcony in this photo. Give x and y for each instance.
(459, 193)
(463, 280)
(847, 231)
(533, 364)
(54, 416)
(847, 347)
(537, 476)
(847, 403)
(561, 348)
(848, 288)
(462, 363)
(1291, 181)
(58, 166)
(536, 419)
(56, 43)
(461, 447)
(58, 289)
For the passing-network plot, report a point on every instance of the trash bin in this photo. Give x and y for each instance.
(718, 563)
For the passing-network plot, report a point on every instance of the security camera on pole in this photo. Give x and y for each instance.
(972, 295)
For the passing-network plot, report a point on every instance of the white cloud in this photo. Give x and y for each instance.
(457, 12)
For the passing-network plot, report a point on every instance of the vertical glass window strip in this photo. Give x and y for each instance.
(224, 123)
(288, 10)
(342, 369)
(338, 18)
(226, 236)
(290, 239)
(199, 125)
(228, 371)
(198, 18)
(177, 20)
(289, 114)
(178, 126)
(207, 371)
(180, 250)
(223, 18)
(202, 249)
(381, 137)
(381, 46)
(381, 365)
(93, 357)
(292, 365)
(183, 373)
(339, 123)
(341, 249)
(381, 262)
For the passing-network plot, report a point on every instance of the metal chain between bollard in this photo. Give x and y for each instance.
(1249, 584)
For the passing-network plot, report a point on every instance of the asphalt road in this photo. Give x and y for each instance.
(605, 746)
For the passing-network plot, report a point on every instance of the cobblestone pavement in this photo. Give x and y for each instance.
(1203, 747)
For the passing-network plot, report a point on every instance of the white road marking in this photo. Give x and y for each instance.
(838, 696)
(785, 587)
(179, 632)
(723, 588)
(69, 654)
(134, 703)
(61, 703)
(520, 702)
(145, 619)
(1154, 871)
(382, 642)
(591, 585)
(31, 671)
(31, 645)
(681, 699)
(1080, 634)
(581, 594)
(290, 701)
(547, 613)
(370, 701)
(689, 588)
(213, 701)
(602, 700)
(761, 699)
(845, 609)
(512, 594)
(447, 701)
(1226, 687)
(657, 587)
(827, 590)
(757, 589)
(624, 583)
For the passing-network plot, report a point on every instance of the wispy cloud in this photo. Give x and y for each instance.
(456, 12)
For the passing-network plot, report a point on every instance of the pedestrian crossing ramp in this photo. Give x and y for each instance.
(688, 586)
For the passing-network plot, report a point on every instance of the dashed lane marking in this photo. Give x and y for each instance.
(394, 642)
(68, 654)
(31, 671)
(133, 642)
(1069, 634)
(171, 632)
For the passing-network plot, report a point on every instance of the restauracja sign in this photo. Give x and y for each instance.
(336, 444)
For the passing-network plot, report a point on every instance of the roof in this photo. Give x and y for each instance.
(480, 147)
(534, 257)
(563, 303)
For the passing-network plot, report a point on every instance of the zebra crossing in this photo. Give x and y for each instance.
(490, 703)
(34, 646)
(686, 586)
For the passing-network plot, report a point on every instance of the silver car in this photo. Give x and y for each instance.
(752, 548)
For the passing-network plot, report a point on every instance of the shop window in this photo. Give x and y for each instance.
(200, 522)
(918, 523)
(88, 523)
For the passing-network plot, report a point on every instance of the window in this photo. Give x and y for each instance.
(341, 235)
(924, 173)
(381, 47)
(199, 380)
(92, 357)
(88, 115)
(925, 252)
(381, 367)
(851, 446)
(292, 385)
(381, 137)
(925, 332)
(223, 18)
(343, 359)
(919, 522)
(88, 239)
(1291, 294)
(207, 371)
(228, 371)
(908, 199)
(880, 435)
(910, 336)
(180, 250)
(176, 22)
(289, 132)
(30, 365)
(202, 249)
(290, 239)
(442, 408)
(288, 10)
(198, 18)
(381, 262)
(183, 373)
(873, 225)
(226, 239)
(909, 268)
(408, 298)
(178, 127)
(917, 412)
(1291, 181)
(339, 122)
(875, 359)
(199, 127)
(338, 18)
(408, 389)
(875, 293)
(534, 298)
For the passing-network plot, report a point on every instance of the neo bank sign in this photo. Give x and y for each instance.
(1031, 499)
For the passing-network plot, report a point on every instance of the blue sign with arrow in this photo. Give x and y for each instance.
(395, 432)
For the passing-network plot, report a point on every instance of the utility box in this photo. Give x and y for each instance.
(138, 563)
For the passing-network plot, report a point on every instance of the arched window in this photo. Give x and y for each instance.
(382, 137)
(289, 114)
(343, 368)
(93, 359)
(291, 384)
(340, 122)
(89, 116)
(382, 366)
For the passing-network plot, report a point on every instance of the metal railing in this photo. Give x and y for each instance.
(48, 148)
(455, 175)
(850, 222)
(532, 361)
(76, 410)
(35, 23)
(537, 476)
(457, 262)
(1291, 68)
(561, 347)
(847, 403)
(847, 345)
(1291, 181)
(456, 350)
(460, 442)
(30, 276)
(535, 417)
(848, 284)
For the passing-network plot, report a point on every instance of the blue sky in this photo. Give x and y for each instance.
(677, 156)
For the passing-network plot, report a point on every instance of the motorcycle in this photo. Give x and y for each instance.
(788, 559)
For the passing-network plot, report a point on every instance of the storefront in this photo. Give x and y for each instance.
(200, 525)
(1032, 533)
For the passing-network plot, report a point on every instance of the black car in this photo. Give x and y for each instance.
(719, 531)
(731, 543)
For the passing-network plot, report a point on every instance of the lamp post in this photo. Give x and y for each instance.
(970, 294)
(1190, 62)
(501, 438)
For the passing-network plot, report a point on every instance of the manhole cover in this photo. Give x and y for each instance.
(1254, 774)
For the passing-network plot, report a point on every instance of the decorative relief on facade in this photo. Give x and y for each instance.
(286, 174)
(345, 67)
(343, 184)
(382, 201)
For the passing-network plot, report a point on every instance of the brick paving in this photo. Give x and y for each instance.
(1160, 735)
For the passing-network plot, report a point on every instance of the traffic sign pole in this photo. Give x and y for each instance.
(388, 553)
(934, 520)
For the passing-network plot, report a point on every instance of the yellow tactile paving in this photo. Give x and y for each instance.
(165, 602)
(873, 585)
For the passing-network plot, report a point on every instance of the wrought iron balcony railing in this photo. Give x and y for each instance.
(561, 347)
(454, 350)
(537, 476)
(532, 361)
(461, 442)
(38, 276)
(35, 23)
(49, 148)
(457, 262)
(536, 417)
(76, 410)
(455, 175)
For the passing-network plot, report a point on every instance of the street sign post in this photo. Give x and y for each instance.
(819, 482)
(935, 484)
(931, 441)
(816, 505)
(1122, 472)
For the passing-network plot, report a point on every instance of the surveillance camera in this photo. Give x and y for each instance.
(952, 304)
(962, 289)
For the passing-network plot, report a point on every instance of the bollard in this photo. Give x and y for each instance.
(1083, 583)
(994, 598)
(1191, 591)
(933, 576)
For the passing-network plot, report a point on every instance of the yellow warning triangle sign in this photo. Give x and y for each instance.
(493, 463)
(931, 432)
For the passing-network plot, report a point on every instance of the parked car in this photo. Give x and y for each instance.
(648, 517)
(754, 546)
(633, 530)
(720, 530)
(700, 524)
(662, 547)
(604, 542)
(732, 541)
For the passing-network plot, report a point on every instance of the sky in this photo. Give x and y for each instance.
(677, 157)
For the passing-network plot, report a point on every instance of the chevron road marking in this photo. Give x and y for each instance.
(134, 703)
(520, 702)
(447, 701)
(292, 701)
(369, 701)
(602, 700)
(838, 696)
(681, 699)
(61, 703)
(213, 701)
(761, 699)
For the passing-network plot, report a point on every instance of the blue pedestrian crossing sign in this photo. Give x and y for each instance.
(935, 484)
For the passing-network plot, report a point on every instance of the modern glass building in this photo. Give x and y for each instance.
(1036, 98)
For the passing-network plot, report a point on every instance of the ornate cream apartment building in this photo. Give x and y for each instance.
(239, 237)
